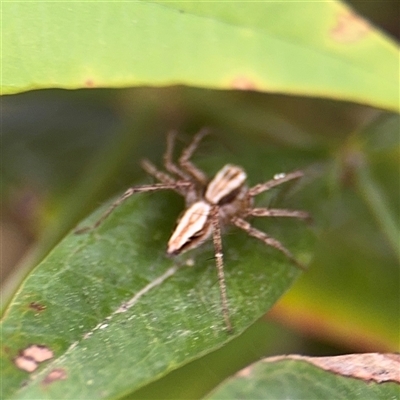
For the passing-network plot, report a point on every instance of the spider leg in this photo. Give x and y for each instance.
(162, 176)
(184, 159)
(129, 193)
(170, 166)
(278, 212)
(153, 171)
(268, 240)
(219, 258)
(277, 180)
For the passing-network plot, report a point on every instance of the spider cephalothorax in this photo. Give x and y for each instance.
(226, 193)
(211, 204)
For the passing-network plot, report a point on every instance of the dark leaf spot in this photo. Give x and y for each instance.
(37, 306)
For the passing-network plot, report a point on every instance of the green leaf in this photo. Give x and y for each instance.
(314, 49)
(361, 376)
(69, 303)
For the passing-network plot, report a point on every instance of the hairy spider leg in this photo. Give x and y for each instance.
(280, 178)
(170, 166)
(268, 240)
(187, 165)
(129, 193)
(152, 170)
(219, 260)
(272, 212)
(162, 176)
(278, 212)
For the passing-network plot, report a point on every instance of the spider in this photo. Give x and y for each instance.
(210, 205)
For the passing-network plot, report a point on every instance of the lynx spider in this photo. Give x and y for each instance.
(210, 205)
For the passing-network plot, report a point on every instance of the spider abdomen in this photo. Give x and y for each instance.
(192, 229)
